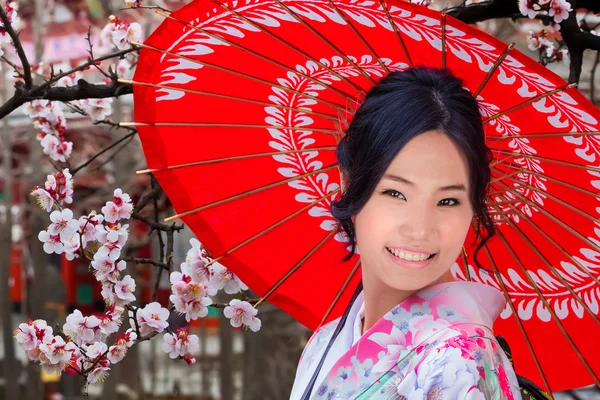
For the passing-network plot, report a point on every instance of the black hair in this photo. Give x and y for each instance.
(403, 105)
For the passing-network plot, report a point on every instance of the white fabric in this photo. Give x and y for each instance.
(349, 335)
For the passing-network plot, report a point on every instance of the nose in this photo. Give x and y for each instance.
(417, 225)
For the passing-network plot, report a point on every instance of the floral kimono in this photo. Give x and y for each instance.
(436, 344)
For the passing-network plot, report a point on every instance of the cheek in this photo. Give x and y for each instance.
(371, 225)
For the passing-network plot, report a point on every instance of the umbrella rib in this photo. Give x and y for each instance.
(397, 32)
(219, 125)
(291, 46)
(339, 293)
(559, 247)
(242, 157)
(443, 39)
(227, 97)
(261, 56)
(536, 135)
(296, 267)
(249, 192)
(550, 160)
(516, 314)
(466, 264)
(273, 226)
(550, 310)
(549, 265)
(240, 74)
(324, 39)
(361, 37)
(555, 180)
(532, 100)
(555, 198)
(493, 69)
(552, 217)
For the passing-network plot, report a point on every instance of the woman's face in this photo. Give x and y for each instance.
(410, 208)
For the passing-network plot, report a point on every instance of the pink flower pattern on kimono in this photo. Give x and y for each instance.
(431, 346)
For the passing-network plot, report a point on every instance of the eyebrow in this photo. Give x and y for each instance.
(400, 179)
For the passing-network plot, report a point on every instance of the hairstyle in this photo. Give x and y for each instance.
(403, 105)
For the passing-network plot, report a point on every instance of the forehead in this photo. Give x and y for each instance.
(431, 158)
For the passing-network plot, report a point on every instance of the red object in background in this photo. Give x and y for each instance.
(16, 273)
(219, 89)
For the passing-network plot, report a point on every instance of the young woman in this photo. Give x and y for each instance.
(415, 170)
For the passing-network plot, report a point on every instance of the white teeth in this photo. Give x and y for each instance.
(408, 256)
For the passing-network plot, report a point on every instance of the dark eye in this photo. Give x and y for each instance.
(456, 202)
(393, 193)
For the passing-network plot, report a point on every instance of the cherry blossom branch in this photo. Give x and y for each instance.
(19, 49)
(576, 39)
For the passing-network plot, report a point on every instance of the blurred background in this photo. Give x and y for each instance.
(233, 363)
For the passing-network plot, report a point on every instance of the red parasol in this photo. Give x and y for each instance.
(239, 107)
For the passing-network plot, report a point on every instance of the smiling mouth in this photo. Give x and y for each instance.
(397, 254)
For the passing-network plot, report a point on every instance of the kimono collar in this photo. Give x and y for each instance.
(480, 303)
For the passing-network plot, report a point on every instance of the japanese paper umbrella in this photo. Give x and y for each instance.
(239, 107)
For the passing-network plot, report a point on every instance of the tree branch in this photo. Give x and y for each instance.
(576, 40)
(19, 48)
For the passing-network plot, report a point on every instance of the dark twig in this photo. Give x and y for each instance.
(18, 47)
(150, 261)
(593, 78)
(88, 162)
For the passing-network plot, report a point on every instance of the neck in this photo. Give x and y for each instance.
(380, 298)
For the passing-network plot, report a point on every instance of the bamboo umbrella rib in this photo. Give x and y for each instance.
(296, 267)
(219, 125)
(550, 310)
(329, 117)
(259, 55)
(518, 319)
(490, 73)
(466, 264)
(242, 157)
(532, 100)
(550, 160)
(555, 180)
(397, 32)
(536, 135)
(549, 265)
(291, 46)
(273, 226)
(361, 37)
(249, 192)
(553, 218)
(555, 198)
(499, 178)
(559, 247)
(324, 39)
(339, 293)
(240, 74)
(443, 39)
(498, 161)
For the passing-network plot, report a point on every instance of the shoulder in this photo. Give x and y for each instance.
(465, 363)
(318, 341)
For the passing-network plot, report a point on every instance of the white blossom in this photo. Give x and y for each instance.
(55, 355)
(242, 313)
(559, 10)
(63, 224)
(223, 278)
(97, 109)
(180, 344)
(152, 318)
(52, 243)
(81, 329)
(125, 289)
